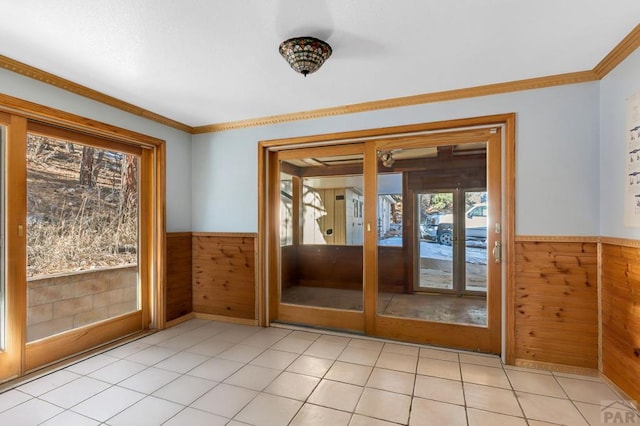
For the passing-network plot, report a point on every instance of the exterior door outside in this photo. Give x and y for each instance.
(441, 267)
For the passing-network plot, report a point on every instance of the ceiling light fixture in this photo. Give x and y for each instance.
(305, 54)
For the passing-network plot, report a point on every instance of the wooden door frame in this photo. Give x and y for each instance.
(482, 338)
(392, 135)
(323, 317)
(12, 358)
(24, 115)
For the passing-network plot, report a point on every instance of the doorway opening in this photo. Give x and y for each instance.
(393, 236)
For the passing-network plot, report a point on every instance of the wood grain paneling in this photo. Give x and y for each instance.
(556, 302)
(330, 266)
(340, 266)
(621, 317)
(224, 275)
(179, 298)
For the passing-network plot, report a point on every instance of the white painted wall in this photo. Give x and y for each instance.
(178, 142)
(615, 88)
(556, 158)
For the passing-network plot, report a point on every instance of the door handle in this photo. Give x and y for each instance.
(497, 251)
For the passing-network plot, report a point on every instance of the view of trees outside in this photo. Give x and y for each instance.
(442, 203)
(82, 207)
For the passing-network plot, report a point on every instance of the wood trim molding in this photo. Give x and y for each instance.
(616, 388)
(60, 346)
(619, 53)
(160, 238)
(53, 80)
(556, 368)
(231, 320)
(509, 232)
(627, 46)
(556, 239)
(58, 118)
(225, 234)
(470, 92)
(179, 234)
(180, 320)
(416, 130)
(12, 355)
(599, 295)
(625, 242)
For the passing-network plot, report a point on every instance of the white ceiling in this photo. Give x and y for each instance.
(211, 61)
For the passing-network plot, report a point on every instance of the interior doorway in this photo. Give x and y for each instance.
(395, 236)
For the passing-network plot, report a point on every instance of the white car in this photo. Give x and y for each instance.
(475, 225)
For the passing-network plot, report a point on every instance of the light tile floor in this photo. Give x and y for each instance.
(212, 373)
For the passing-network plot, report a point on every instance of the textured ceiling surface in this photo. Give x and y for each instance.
(211, 61)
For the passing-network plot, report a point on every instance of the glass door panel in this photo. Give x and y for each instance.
(83, 209)
(322, 231)
(475, 242)
(11, 274)
(435, 233)
(436, 271)
(3, 292)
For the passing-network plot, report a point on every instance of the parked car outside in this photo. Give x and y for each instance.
(475, 225)
(429, 228)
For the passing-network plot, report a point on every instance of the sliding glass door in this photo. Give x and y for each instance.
(84, 241)
(83, 246)
(443, 267)
(321, 210)
(390, 238)
(436, 281)
(12, 163)
(8, 366)
(82, 225)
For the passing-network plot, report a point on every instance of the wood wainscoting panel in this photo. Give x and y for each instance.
(340, 266)
(224, 274)
(556, 302)
(179, 298)
(620, 283)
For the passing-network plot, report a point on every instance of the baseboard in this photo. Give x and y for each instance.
(180, 320)
(617, 389)
(557, 368)
(222, 318)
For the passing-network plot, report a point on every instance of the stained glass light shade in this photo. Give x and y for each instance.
(305, 54)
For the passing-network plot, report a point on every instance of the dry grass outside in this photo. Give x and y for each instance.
(71, 226)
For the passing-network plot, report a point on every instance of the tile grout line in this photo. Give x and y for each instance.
(334, 361)
(515, 394)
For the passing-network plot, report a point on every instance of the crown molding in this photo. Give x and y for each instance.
(619, 53)
(53, 80)
(449, 95)
(625, 48)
